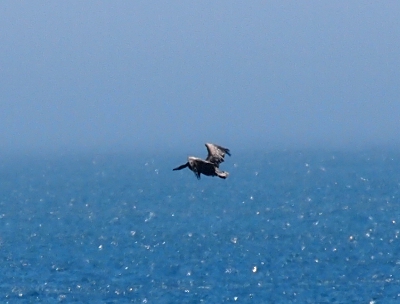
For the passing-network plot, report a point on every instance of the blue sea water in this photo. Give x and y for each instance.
(285, 227)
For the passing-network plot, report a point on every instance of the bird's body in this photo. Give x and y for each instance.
(209, 166)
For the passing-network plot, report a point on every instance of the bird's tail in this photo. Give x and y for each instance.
(222, 174)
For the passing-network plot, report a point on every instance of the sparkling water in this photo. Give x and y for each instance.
(284, 227)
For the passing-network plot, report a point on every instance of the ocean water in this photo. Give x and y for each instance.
(285, 227)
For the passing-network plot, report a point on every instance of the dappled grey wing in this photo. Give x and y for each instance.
(181, 167)
(216, 154)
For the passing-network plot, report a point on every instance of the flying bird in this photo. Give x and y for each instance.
(209, 166)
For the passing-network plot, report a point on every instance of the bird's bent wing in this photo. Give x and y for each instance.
(216, 154)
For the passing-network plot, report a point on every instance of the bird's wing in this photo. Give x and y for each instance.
(181, 167)
(216, 154)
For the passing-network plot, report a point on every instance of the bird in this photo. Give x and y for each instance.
(209, 166)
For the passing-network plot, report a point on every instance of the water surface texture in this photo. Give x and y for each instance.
(285, 227)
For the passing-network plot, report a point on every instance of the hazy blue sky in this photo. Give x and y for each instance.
(117, 74)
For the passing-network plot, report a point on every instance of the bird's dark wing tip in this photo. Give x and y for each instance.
(180, 167)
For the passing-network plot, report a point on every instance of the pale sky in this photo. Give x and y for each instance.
(98, 75)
